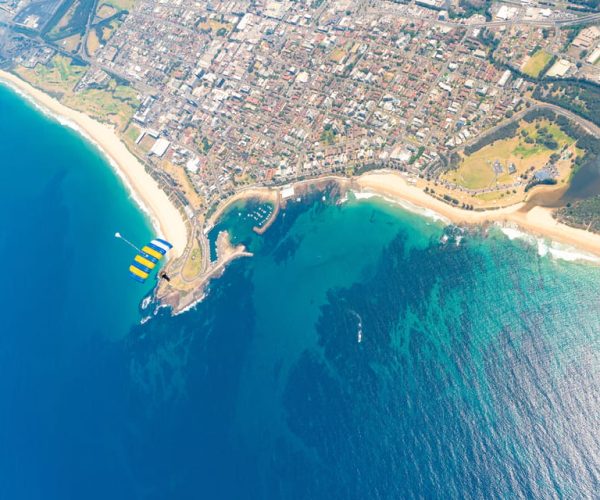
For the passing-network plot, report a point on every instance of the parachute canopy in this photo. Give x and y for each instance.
(147, 258)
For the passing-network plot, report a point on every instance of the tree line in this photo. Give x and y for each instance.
(582, 98)
(504, 132)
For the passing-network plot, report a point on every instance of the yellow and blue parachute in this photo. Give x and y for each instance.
(147, 258)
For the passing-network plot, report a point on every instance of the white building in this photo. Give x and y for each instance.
(504, 78)
(160, 147)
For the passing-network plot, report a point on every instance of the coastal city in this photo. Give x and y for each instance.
(300, 249)
(473, 102)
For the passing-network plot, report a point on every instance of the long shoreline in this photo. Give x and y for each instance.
(391, 185)
(143, 189)
(537, 221)
(168, 221)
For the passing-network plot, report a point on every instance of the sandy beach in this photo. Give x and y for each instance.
(537, 221)
(170, 224)
(165, 217)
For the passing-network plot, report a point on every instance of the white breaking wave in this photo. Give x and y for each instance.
(192, 305)
(343, 199)
(146, 302)
(66, 122)
(359, 326)
(547, 248)
(406, 205)
(160, 306)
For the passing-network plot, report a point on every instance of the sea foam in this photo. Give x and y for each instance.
(191, 305)
(67, 122)
(545, 247)
(406, 205)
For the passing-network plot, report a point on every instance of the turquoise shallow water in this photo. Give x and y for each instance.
(476, 375)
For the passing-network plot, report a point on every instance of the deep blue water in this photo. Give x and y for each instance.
(66, 304)
(476, 377)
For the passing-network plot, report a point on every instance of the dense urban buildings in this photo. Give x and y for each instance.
(216, 96)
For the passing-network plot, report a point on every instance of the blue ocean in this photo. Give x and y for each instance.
(353, 356)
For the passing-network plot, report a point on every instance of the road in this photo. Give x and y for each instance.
(517, 21)
(587, 125)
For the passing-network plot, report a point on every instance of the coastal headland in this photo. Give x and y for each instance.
(182, 292)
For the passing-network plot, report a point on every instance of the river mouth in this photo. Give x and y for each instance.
(547, 198)
(584, 184)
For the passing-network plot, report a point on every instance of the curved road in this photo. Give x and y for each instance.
(585, 124)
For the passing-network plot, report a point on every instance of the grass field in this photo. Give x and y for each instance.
(103, 105)
(59, 77)
(114, 104)
(73, 20)
(105, 11)
(132, 133)
(216, 27)
(536, 63)
(126, 94)
(492, 196)
(193, 265)
(71, 43)
(108, 30)
(64, 20)
(476, 171)
(182, 179)
(338, 55)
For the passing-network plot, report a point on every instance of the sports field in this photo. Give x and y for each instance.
(536, 63)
